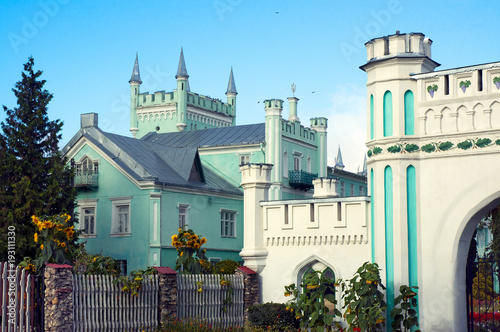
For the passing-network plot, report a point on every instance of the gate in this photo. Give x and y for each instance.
(483, 291)
(21, 300)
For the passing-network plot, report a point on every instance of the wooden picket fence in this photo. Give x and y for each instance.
(98, 305)
(21, 304)
(202, 297)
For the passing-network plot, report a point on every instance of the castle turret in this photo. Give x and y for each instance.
(391, 119)
(273, 108)
(320, 125)
(135, 83)
(292, 109)
(231, 95)
(182, 92)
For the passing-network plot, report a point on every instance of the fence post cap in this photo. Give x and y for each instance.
(246, 270)
(164, 270)
(58, 266)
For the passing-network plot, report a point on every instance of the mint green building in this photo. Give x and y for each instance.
(181, 170)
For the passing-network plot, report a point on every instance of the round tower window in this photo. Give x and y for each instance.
(157, 128)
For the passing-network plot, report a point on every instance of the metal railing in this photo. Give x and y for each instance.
(301, 179)
(87, 179)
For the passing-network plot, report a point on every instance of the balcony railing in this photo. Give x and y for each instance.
(301, 180)
(86, 179)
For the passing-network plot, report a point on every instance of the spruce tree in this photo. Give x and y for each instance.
(34, 178)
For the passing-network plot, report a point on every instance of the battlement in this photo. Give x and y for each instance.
(295, 130)
(155, 99)
(273, 103)
(321, 221)
(405, 44)
(319, 122)
(209, 104)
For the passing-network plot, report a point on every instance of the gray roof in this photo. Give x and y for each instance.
(339, 163)
(146, 161)
(231, 87)
(181, 70)
(226, 136)
(136, 75)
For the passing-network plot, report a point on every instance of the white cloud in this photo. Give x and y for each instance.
(347, 126)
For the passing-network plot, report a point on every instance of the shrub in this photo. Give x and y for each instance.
(272, 316)
(226, 266)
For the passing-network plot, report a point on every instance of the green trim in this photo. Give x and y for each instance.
(387, 114)
(372, 120)
(372, 211)
(411, 215)
(389, 240)
(409, 113)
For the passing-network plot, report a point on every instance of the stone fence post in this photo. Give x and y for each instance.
(58, 299)
(167, 293)
(252, 287)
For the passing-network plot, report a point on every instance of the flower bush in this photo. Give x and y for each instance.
(191, 258)
(309, 306)
(56, 239)
(275, 316)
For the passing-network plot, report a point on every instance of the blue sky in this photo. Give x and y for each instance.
(87, 49)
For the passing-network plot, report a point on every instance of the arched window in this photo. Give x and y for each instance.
(387, 114)
(409, 113)
(285, 164)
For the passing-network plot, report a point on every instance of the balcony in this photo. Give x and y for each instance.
(88, 179)
(301, 180)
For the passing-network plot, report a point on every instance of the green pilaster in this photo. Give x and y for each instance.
(389, 240)
(388, 114)
(411, 213)
(409, 113)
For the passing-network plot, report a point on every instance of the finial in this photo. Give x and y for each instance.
(231, 86)
(136, 75)
(338, 161)
(181, 70)
(294, 88)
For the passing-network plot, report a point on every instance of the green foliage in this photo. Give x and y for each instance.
(272, 315)
(496, 79)
(226, 266)
(310, 306)
(191, 258)
(428, 148)
(55, 240)
(404, 314)
(411, 147)
(394, 149)
(133, 283)
(494, 224)
(86, 263)
(369, 152)
(377, 150)
(433, 87)
(172, 324)
(464, 83)
(364, 300)
(467, 144)
(497, 142)
(445, 146)
(482, 285)
(35, 179)
(482, 142)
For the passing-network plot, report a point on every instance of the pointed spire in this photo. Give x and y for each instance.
(231, 87)
(365, 167)
(181, 70)
(136, 75)
(338, 161)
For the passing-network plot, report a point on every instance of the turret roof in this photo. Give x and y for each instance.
(181, 70)
(338, 161)
(231, 87)
(136, 75)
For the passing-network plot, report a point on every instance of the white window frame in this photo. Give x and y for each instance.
(82, 205)
(352, 189)
(231, 223)
(186, 215)
(309, 164)
(342, 189)
(117, 203)
(297, 161)
(361, 190)
(244, 159)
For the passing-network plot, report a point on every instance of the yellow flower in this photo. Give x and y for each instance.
(41, 246)
(138, 279)
(95, 258)
(174, 238)
(180, 254)
(35, 220)
(63, 244)
(203, 241)
(180, 230)
(36, 237)
(196, 246)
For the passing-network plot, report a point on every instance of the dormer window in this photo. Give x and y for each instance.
(86, 173)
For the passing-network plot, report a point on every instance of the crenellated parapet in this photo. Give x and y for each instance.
(316, 222)
(462, 100)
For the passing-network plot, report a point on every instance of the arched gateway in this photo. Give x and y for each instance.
(433, 172)
(434, 156)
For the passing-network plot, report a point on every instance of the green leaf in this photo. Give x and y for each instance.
(464, 145)
(394, 149)
(428, 148)
(482, 142)
(377, 150)
(411, 147)
(445, 146)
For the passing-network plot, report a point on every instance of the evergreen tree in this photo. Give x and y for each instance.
(34, 177)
